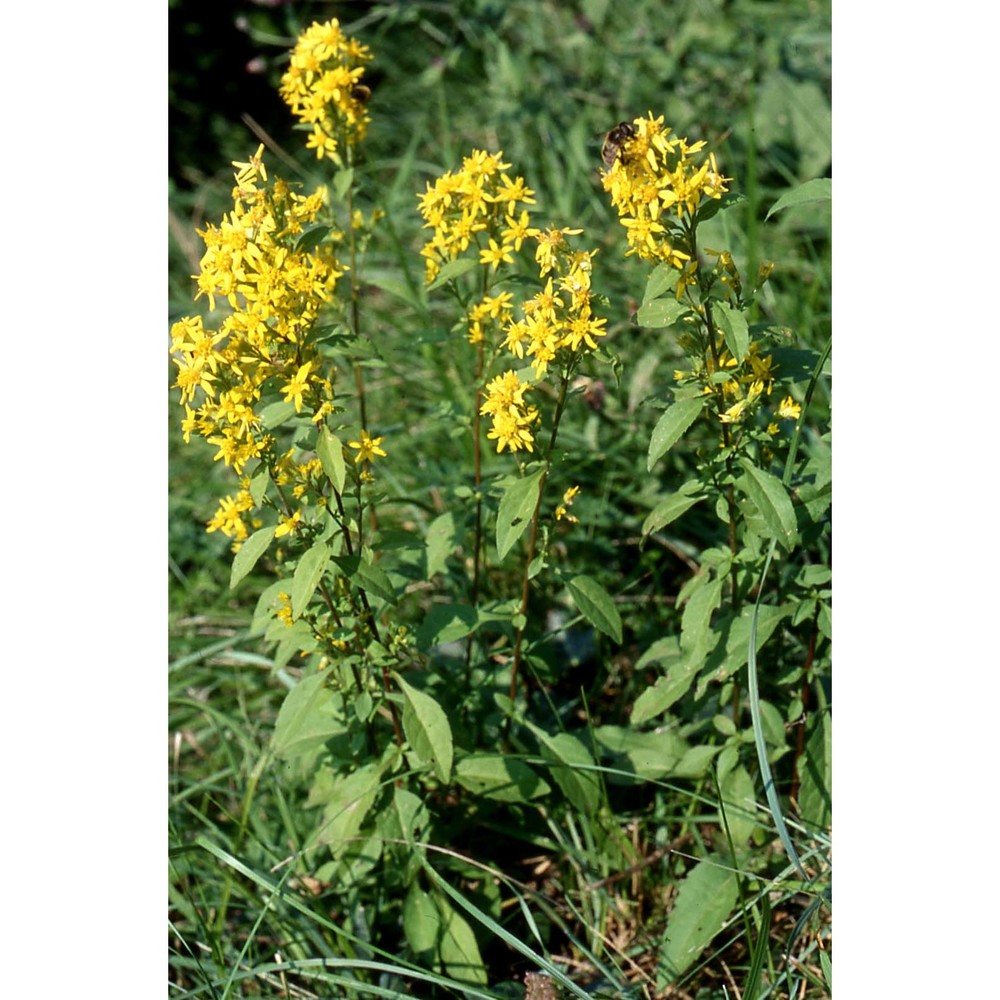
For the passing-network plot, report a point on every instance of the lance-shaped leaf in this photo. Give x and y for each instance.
(706, 898)
(596, 606)
(676, 419)
(250, 551)
(307, 575)
(308, 717)
(517, 506)
(771, 499)
(331, 457)
(427, 729)
(734, 328)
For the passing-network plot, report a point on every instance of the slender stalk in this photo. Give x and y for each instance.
(532, 542)
(477, 463)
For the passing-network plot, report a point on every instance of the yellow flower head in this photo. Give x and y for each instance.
(367, 448)
(323, 87)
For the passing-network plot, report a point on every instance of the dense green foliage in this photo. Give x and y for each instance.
(433, 822)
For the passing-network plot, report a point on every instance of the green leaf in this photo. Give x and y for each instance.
(307, 575)
(376, 581)
(331, 456)
(451, 270)
(275, 414)
(676, 419)
(446, 623)
(667, 690)
(706, 898)
(399, 288)
(736, 786)
(347, 806)
(427, 729)
(342, 182)
(647, 755)
(660, 313)
(440, 543)
(771, 499)
(734, 327)
(662, 278)
(670, 508)
(311, 238)
(308, 717)
(250, 551)
(815, 768)
(596, 606)
(819, 189)
(517, 507)
(695, 762)
(502, 778)
(259, 485)
(421, 924)
(697, 616)
(458, 948)
(571, 766)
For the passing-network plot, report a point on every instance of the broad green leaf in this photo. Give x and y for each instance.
(662, 278)
(446, 623)
(502, 778)
(311, 238)
(659, 313)
(648, 755)
(730, 654)
(819, 189)
(517, 506)
(346, 808)
(294, 639)
(307, 575)
(695, 762)
(421, 924)
(427, 729)
(771, 499)
(596, 606)
(398, 287)
(738, 800)
(451, 270)
(259, 485)
(250, 551)
(669, 509)
(706, 898)
(440, 543)
(308, 717)
(357, 861)
(676, 419)
(663, 650)
(697, 616)
(572, 768)
(376, 581)
(667, 690)
(275, 414)
(331, 457)
(734, 327)
(458, 948)
(815, 770)
(342, 182)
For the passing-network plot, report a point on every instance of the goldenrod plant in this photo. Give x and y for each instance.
(511, 758)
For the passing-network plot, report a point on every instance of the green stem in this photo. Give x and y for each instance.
(532, 542)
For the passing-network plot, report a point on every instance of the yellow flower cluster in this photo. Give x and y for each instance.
(512, 417)
(481, 197)
(559, 317)
(654, 178)
(275, 292)
(323, 87)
